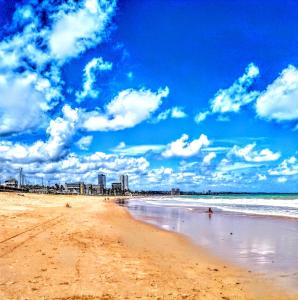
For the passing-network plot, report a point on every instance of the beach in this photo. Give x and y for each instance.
(93, 249)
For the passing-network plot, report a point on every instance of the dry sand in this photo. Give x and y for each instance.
(95, 250)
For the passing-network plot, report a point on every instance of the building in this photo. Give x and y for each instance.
(124, 182)
(116, 188)
(12, 183)
(89, 190)
(76, 188)
(175, 191)
(102, 181)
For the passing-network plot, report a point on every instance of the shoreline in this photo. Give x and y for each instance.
(97, 250)
(223, 211)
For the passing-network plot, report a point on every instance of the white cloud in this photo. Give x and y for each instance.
(96, 64)
(282, 179)
(137, 150)
(127, 109)
(250, 155)
(287, 167)
(208, 158)
(280, 99)
(84, 142)
(162, 116)
(261, 177)
(75, 31)
(175, 112)
(200, 117)
(178, 113)
(237, 95)
(184, 148)
(24, 99)
(60, 131)
(31, 59)
(158, 175)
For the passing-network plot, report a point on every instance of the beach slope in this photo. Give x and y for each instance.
(93, 249)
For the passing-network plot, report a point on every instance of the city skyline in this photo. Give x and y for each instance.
(200, 95)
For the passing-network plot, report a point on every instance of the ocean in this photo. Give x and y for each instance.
(283, 205)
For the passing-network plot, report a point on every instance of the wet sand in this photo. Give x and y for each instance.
(95, 250)
(262, 244)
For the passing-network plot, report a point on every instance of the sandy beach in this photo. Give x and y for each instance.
(95, 250)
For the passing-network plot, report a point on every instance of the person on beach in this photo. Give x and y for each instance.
(210, 211)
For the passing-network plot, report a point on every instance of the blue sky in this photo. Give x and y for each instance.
(192, 94)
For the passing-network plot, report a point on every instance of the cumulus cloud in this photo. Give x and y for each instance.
(129, 108)
(237, 95)
(76, 30)
(234, 97)
(178, 113)
(200, 117)
(280, 99)
(287, 167)
(93, 66)
(250, 155)
(42, 37)
(60, 132)
(208, 158)
(158, 175)
(84, 142)
(175, 112)
(24, 99)
(184, 148)
(277, 102)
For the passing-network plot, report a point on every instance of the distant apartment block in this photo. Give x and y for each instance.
(124, 182)
(76, 188)
(13, 183)
(116, 186)
(102, 180)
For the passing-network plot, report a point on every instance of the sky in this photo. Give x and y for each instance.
(200, 95)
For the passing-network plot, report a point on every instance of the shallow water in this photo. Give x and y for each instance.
(285, 205)
(263, 244)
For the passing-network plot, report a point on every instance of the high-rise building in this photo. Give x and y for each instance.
(102, 180)
(124, 182)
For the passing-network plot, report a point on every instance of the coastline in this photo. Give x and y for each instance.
(96, 250)
(214, 206)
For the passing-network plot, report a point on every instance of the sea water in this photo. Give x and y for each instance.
(262, 204)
